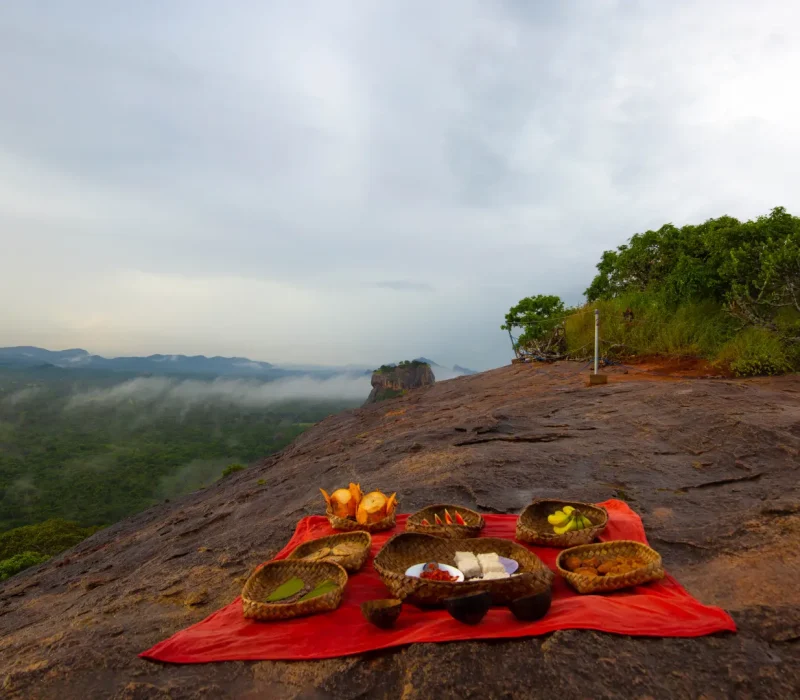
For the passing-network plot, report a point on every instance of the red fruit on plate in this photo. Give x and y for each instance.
(447, 519)
(437, 519)
(425, 522)
(459, 519)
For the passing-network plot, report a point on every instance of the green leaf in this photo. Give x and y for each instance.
(286, 590)
(321, 589)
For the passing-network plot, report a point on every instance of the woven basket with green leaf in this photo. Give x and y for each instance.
(289, 588)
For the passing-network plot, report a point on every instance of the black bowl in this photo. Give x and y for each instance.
(532, 607)
(469, 609)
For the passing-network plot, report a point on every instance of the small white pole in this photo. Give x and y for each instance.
(596, 338)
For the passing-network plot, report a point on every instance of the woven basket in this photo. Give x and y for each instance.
(338, 523)
(652, 571)
(409, 548)
(266, 579)
(350, 562)
(473, 527)
(532, 525)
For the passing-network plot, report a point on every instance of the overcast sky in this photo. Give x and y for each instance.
(364, 182)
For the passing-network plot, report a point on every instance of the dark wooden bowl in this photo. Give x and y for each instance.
(469, 609)
(531, 607)
(382, 613)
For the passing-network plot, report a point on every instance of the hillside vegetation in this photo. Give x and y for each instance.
(30, 545)
(725, 290)
(81, 449)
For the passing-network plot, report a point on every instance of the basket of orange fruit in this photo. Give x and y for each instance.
(351, 509)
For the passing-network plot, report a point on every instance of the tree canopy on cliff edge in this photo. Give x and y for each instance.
(748, 272)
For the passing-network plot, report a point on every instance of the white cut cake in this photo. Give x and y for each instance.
(468, 564)
(490, 563)
(490, 575)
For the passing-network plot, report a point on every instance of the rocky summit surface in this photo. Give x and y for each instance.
(393, 381)
(711, 464)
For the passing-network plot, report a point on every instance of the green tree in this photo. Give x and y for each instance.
(538, 317)
(750, 268)
(725, 289)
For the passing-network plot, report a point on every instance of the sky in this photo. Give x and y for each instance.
(363, 182)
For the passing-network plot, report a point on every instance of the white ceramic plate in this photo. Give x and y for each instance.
(416, 570)
(510, 565)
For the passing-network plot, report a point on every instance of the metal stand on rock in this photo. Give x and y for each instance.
(595, 378)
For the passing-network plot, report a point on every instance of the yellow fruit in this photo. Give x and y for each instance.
(558, 518)
(572, 524)
(568, 509)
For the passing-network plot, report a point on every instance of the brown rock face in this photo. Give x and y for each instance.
(710, 464)
(390, 382)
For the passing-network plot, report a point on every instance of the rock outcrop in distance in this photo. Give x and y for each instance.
(390, 381)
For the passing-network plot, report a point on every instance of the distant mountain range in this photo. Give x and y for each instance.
(29, 356)
(78, 359)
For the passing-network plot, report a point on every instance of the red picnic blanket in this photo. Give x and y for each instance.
(660, 609)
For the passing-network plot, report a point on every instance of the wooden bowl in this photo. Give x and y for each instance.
(531, 607)
(382, 613)
(471, 608)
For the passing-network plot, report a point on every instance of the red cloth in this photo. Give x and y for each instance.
(660, 609)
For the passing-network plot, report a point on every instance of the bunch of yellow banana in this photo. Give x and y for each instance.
(568, 519)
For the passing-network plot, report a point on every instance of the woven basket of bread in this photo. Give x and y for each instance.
(348, 549)
(639, 564)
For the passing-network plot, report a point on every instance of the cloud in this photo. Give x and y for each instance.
(231, 184)
(170, 394)
(22, 395)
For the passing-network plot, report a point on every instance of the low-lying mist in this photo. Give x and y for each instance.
(242, 393)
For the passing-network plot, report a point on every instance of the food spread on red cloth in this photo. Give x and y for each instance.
(660, 608)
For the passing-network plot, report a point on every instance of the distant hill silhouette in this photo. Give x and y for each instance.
(77, 358)
(28, 356)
